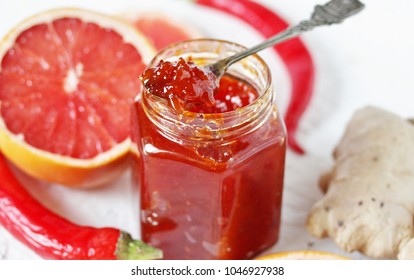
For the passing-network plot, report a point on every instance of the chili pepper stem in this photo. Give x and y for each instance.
(131, 249)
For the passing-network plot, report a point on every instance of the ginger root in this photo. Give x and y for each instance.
(369, 193)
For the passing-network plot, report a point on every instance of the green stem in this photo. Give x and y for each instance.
(130, 249)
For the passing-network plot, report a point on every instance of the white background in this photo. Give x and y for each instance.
(293, 270)
(365, 61)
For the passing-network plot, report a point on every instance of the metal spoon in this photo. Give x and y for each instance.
(335, 11)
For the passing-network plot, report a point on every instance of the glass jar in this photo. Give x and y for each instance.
(210, 184)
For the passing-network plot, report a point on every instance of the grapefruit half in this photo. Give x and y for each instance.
(163, 29)
(67, 80)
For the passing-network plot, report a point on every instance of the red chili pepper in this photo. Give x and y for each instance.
(54, 237)
(293, 52)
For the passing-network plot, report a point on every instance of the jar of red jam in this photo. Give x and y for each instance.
(211, 179)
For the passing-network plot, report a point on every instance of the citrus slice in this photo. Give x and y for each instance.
(302, 255)
(163, 29)
(67, 80)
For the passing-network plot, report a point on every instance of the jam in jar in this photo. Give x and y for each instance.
(211, 176)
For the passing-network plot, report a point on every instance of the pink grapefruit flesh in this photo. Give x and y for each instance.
(67, 85)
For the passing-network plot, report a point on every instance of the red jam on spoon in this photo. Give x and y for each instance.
(187, 87)
(182, 83)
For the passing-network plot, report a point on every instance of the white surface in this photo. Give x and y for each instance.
(366, 60)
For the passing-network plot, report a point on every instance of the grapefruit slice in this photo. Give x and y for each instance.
(302, 255)
(67, 80)
(162, 29)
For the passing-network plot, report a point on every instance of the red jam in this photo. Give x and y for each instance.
(216, 199)
(232, 94)
(182, 83)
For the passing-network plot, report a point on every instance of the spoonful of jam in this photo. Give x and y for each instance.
(182, 83)
(185, 85)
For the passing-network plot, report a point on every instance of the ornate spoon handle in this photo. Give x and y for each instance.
(332, 12)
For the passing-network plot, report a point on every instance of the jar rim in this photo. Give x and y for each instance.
(159, 109)
(156, 59)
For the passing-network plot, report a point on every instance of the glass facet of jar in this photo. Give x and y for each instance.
(210, 184)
